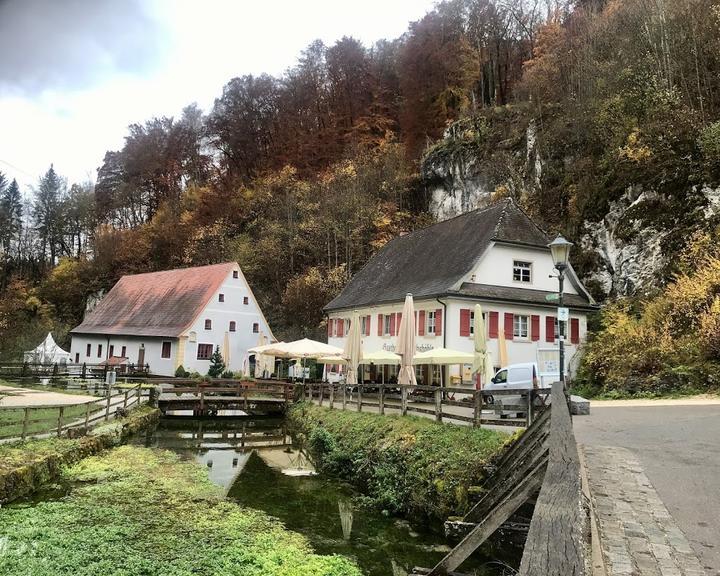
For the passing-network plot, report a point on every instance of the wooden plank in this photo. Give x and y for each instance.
(438, 405)
(559, 531)
(490, 523)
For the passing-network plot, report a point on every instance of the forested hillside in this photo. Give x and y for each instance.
(600, 117)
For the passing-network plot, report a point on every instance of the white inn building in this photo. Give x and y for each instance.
(496, 257)
(173, 318)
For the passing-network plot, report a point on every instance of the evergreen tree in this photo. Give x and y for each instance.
(48, 213)
(217, 364)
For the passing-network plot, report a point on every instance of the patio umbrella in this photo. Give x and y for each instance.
(353, 349)
(480, 344)
(406, 343)
(304, 349)
(331, 360)
(443, 357)
(381, 357)
(489, 370)
(502, 348)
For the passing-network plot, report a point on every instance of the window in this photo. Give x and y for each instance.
(522, 271)
(204, 351)
(99, 350)
(165, 350)
(124, 352)
(221, 297)
(430, 322)
(364, 328)
(77, 357)
(208, 324)
(520, 326)
(500, 377)
(111, 350)
(472, 321)
(386, 325)
(235, 274)
(88, 350)
(246, 300)
(256, 327)
(232, 326)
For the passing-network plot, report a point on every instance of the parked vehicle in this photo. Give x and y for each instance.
(513, 377)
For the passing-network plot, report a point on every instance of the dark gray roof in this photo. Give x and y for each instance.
(432, 261)
(519, 295)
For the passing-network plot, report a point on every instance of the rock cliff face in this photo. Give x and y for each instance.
(627, 247)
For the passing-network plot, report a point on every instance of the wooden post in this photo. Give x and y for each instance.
(381, 398)
(125, 399)
(478, 401)
(438, 405)
(87, 414)
(84, 370)
(139, 393)
(529, 414)
(344, 396)
(25, 422)
(332, 396)
(321, 387)
(107, 408)
(403, 400)
(246, 403)
(60, 421)
(202, 401)
(359, 397)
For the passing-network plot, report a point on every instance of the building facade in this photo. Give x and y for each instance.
(496, 257)
(174, 318)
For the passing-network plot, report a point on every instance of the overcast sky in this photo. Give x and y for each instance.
(75, 73)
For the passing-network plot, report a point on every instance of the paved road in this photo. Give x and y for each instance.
(679, 450)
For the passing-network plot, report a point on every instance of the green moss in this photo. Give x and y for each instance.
(136, 511)
(405, 465)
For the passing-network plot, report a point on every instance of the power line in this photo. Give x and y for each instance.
(16, 168)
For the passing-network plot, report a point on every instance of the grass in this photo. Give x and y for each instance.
(592, 393)
(11, 419)
(404, 465)
(142, 512)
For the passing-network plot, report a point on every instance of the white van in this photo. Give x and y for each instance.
(513, 377)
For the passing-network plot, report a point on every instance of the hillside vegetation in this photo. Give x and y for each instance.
(575, 108)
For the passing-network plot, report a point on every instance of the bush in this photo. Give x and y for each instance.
(228, 374)
(181, 372)
(404, 465)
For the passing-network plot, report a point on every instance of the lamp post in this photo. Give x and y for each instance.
(560, 250)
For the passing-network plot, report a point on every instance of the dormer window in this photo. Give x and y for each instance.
(522, 271)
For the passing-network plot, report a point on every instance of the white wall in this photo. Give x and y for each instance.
(518, 350)
(184, 349)
(496, 268)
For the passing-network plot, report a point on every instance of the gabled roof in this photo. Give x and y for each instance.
(513, 294)
(433, 261)
(157, 303)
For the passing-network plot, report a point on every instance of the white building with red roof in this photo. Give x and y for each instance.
(174, 318)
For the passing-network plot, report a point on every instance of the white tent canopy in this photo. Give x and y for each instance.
(304, 348)
(443, 356)
(48, 352)
(381, 357)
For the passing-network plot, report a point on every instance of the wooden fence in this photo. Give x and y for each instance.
(445, 403)
(545, 460)
(68, 370)
(63, 417)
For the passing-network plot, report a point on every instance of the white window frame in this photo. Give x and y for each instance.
(518, 321)
(522, 268)
(386, 324)
(364, 328)
(472, 322)
(430, 323)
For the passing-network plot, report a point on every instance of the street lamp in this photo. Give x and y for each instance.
(560, 250)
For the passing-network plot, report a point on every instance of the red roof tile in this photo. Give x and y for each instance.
(156, 303)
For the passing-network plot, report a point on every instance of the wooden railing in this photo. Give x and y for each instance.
(225, 393)
(544, 459)
(63, 417)
(68, 370)
(431, 400)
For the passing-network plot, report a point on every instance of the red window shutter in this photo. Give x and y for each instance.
(438, 322)
(380, 325)
(509, 329)
(367, 325)
(534, 328)
(330, 327)
(421, 323)
(575, 330)
(392, 325)
(493, 327)
(550, 329)
(340, 327)
(465, 321)
(399, 318)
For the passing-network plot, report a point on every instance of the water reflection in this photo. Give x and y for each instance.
(260, 467)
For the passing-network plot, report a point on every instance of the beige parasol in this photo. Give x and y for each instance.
(502, 348)
(353, 349)
(406, 343)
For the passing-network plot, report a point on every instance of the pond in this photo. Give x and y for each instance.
(260, 466)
